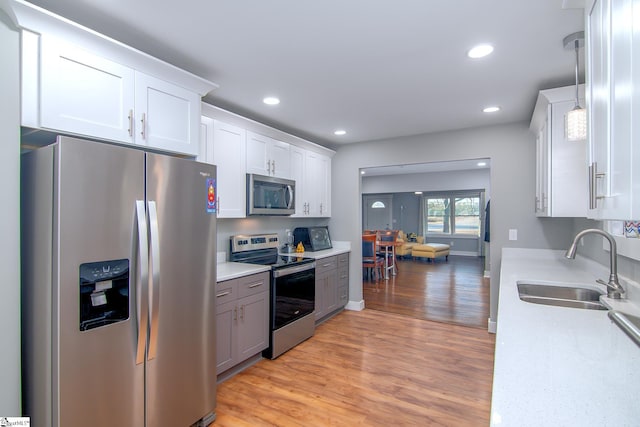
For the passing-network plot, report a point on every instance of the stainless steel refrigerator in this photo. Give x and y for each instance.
(119, 274)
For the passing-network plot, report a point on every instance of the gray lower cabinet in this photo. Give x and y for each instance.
(343, 279)
(242, 319)
(332, 284)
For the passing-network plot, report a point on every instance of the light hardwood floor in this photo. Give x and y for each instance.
(454, 291)
(368, 368)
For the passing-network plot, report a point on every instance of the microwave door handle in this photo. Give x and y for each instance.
(290, 190)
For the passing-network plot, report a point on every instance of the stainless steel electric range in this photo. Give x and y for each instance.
(292, 290)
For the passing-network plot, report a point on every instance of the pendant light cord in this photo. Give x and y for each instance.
(577, 45)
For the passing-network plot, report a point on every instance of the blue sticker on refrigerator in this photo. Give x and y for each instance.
(211, 195)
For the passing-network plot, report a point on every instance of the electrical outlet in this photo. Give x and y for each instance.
(451, 243)
(513, 234)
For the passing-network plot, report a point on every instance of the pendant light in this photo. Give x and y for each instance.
(576, 119)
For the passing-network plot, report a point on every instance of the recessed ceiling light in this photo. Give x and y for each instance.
(340, 132)
(491, 110)
(271, 100)
(417, 192)
(482, 164)
(363, 172)
(480, 51)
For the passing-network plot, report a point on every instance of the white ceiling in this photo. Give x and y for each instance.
(376, 68)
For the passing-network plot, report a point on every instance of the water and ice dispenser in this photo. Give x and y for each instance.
(104, 293)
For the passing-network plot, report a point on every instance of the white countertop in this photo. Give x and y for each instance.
(233, 270)
(337, 249)
(558, 366)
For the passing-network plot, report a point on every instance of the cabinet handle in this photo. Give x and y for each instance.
(268, 167)
(143, 132)
(537, 204)
(273, 165)
(221, 294)
(320, 208)
(242, 312)
(130, 117)
(594, 175)
(235, 313)
(255, 285)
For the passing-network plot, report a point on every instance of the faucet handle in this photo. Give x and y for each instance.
(615, 286)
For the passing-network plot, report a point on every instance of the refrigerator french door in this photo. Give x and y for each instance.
(118, 287)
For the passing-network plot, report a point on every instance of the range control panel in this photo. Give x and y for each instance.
(245, 242)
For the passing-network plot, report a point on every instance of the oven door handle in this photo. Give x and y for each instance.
(293, 270)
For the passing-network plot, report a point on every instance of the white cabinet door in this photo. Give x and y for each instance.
(318, 184)
(229, 156)
(205, 150)
(279, 153)
(83, 93)
(613, 57)
(297, 156)
(543, 169)
(258, 160)
(168, 116)
(267, 156)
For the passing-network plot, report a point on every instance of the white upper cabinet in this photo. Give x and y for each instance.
(613, 77)
(76, 81)
(167, 117)
(312, 173)
(561, 171)
(318, 184)
(229, 151)
(297, 156)
(267, 156)
(83, 93)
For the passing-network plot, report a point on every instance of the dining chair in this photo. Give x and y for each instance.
(373, 263)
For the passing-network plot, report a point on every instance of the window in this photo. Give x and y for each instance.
(452, 213)
(377, 205)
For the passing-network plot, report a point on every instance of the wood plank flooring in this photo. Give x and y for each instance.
(454, 291)
(368, 368)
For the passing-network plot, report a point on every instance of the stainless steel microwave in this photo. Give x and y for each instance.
(268, 195)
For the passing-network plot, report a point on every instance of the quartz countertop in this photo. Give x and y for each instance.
(337, 249)
(233, 270)
(559, 366)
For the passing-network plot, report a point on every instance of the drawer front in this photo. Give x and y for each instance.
(254, 284)
(326, 264)
(343, 295)
(226, 291)
(343, 260)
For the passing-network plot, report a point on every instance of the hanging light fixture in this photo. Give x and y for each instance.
(576, 119)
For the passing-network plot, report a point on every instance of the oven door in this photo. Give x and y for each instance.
(293, 294)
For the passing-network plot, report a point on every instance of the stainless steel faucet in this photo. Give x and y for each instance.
(614, 289)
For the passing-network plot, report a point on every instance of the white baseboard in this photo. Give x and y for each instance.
(355, 305)
(493, 326)
(463, 253)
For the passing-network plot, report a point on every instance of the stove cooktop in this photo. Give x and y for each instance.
(262, 249)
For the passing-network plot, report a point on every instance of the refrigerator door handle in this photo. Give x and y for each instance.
(154, 294)
(142, 285)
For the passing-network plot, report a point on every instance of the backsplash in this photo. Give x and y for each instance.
(228, 227)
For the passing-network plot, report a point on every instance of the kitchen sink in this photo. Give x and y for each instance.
(561, 296)
(628, 323)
